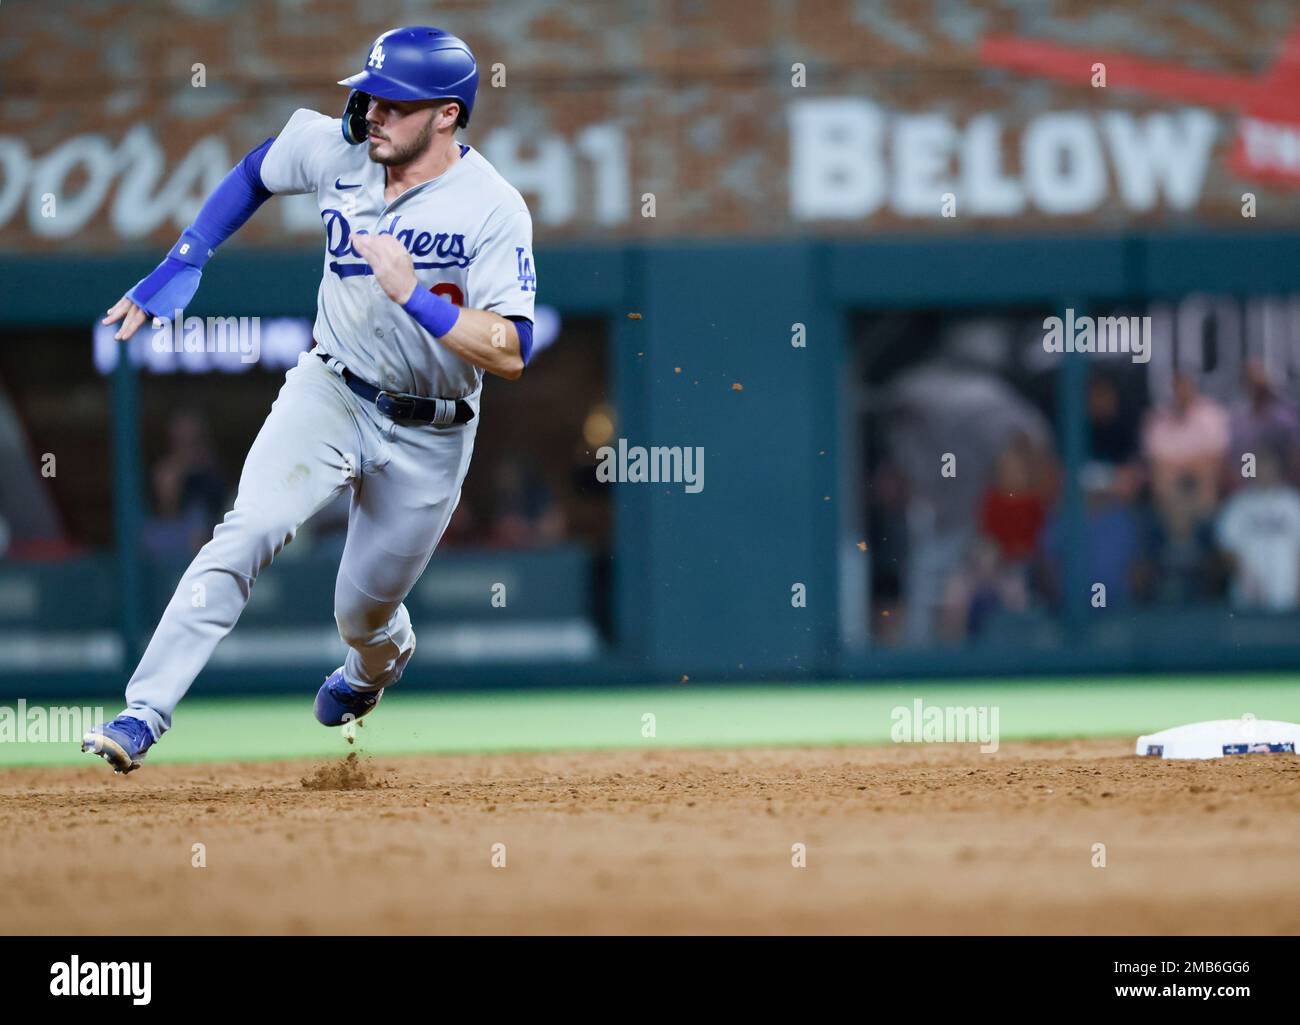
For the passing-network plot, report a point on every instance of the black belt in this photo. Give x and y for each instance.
(399, 405)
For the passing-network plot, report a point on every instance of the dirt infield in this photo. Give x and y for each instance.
(914, 839)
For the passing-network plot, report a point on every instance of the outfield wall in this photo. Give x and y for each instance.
(698, 585)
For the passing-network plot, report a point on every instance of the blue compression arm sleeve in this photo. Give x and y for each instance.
(524, 328)
(173, 282)
(234, 201)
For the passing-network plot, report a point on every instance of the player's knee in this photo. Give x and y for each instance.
(358, 626)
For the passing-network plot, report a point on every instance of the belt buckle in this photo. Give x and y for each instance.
(397, 407)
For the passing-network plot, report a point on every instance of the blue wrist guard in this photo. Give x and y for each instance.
(437, 316)
(169, 288)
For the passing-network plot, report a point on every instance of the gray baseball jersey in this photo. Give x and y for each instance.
(470, 237)
(468, 232)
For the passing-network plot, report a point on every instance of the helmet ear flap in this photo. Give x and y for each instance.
(355, 130)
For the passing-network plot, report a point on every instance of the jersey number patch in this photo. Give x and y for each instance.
(527, 279)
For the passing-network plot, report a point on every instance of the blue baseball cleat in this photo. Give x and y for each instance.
(337, 703)
(121, 743)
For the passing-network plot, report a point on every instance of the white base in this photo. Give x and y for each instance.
(1222, 737)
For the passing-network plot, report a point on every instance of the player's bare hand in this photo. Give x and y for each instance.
(134, 317)
(392, 264)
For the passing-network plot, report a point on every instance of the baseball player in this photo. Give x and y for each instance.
(428, 281)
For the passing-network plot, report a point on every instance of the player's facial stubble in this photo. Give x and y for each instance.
(413, 150)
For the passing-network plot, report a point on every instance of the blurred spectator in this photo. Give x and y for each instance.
(31, 526)
(1112, 434)
(189, 493)
(1112, 533)
(1180, 568)
(954, 405)
(995, 577)
(524, 509)
(1014, 506)
(996, 572)
(887, 521)
(1262, 418)
(983, 587)
(1259, 532)
(1184, 444)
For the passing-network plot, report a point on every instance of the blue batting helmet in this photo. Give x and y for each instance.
(413, 63)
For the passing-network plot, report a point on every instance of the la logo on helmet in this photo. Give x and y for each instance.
(376, 57)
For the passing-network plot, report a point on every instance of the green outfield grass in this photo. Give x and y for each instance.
(689, 715)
